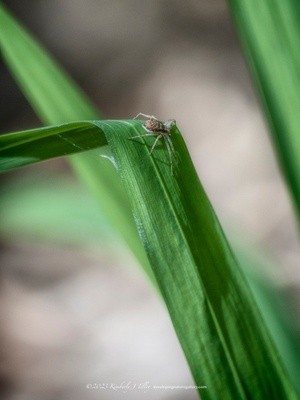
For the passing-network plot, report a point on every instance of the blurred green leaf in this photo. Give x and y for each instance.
(270, 33)
(57, 99)
(41, 208)
(274, 308)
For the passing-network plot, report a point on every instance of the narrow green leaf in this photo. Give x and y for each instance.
(216, 320)
(26, 147)
(213, 312)
(270, 34)
(53, 95)
(273, 306)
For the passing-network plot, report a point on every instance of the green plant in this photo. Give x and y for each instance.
(215, 317)
(270, 31)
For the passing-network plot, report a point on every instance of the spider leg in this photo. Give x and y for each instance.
(175, 153)
(146, 134)
(170, 148)
(168, 139)
(154, 144)
(144, 116)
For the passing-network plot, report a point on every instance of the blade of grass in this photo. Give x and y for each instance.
(212, 309)
(26, 147)
(273, 306)
(270, 34)
(213, 312)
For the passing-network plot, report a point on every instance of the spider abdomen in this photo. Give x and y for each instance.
(154, 125)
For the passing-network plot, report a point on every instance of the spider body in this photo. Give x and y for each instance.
(160, 130)
(154, 125)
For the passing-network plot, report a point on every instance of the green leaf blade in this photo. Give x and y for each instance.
(216, 320)
(35, 145)
(212, 309)
(48, 88)
(269, 31)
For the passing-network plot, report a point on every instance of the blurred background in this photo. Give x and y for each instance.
(75, 306)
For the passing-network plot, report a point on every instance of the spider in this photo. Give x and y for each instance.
(159, 129)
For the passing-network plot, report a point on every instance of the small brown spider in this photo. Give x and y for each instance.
(159, 129)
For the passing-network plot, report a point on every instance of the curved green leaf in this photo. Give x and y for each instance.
(212, 310)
